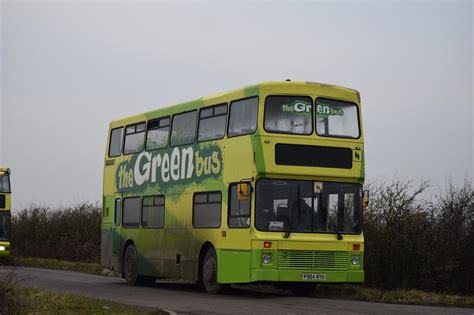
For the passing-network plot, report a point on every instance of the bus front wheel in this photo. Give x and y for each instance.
(208, 276)
(130, 268)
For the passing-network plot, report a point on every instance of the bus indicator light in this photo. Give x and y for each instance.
(267, 244)
(355, 246)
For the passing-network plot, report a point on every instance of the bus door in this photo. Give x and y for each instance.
(236, 240)
(332, 203)
(339, 208)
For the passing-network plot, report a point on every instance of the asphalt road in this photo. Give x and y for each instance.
(185, 298)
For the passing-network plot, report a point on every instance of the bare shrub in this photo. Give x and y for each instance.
(414, 243)
(67, 233)
(397, 225)
(454, 239)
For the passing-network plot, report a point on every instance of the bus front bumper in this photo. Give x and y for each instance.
(4, 250)
(321, 276)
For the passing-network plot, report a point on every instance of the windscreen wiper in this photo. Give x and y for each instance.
(291, 214)
(339, 235)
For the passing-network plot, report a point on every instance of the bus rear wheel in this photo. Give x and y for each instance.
(130, 269)
(208, 275)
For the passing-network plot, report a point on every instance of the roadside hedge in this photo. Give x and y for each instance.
(71, 233)
(412, 242)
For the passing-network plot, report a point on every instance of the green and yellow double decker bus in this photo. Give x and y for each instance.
(5, 212)
(260, 184)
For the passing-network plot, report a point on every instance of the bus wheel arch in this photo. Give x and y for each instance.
(204, 248)
(130, 262)
(122, 256)
(130, 267)
(207, 270)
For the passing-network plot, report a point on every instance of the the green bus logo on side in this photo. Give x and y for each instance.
(173, 165)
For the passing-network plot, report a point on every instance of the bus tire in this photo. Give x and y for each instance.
(302, 288)
(130, 269)
(208, 276)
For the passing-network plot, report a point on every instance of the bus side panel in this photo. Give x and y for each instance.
(177, 244)
(177, 234)
(234, 266)
(152, 251)
(235, 255)
(238, 159)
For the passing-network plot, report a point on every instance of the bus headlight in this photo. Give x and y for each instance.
(355, 260)
(2, 248)
(266, 259)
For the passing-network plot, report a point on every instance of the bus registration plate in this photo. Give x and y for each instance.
(314, 276)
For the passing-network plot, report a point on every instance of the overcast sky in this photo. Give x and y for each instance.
(68, 68)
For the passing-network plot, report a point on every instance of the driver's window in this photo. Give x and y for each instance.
(239, 210)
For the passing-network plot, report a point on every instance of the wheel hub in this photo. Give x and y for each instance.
(209, 271)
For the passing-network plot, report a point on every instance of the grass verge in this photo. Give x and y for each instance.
(15, 299)
(34, 301)
(364, 293)
(400, 296)
(91, 268)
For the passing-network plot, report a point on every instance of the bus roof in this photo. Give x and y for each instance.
(246, 91)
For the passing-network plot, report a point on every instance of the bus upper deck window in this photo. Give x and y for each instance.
(134, 138)
(337, 118)
(243, 117)
(115, 145)
(289, 114)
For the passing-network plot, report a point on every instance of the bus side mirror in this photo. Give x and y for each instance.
(12, 219)
(243, 192)
(365, 198)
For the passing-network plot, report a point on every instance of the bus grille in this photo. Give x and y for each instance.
(306, 259)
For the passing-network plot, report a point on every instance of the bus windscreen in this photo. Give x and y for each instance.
(308, 207)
